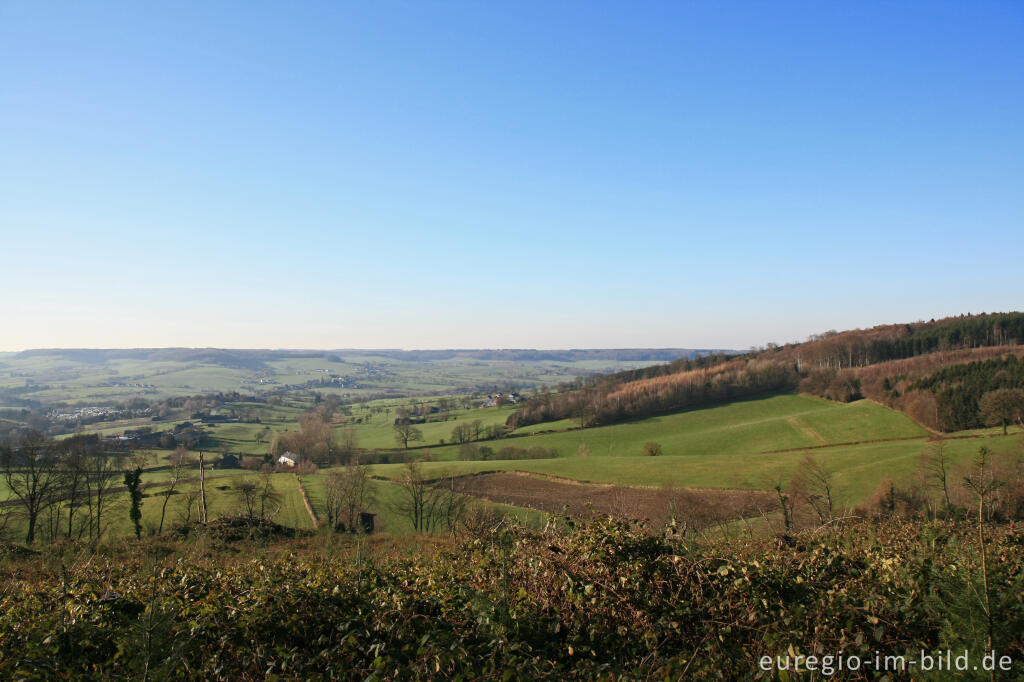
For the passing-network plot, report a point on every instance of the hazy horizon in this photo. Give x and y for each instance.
(586, 175)
(506, 347)
(350, 350)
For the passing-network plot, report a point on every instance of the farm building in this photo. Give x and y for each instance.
(288, 459)
(228, 461)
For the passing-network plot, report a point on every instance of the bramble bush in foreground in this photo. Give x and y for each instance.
(590, 600)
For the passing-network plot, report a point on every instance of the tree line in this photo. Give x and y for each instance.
(838, 366)
(615, 398)
(864, 347)
(987, 393)
(64, 488)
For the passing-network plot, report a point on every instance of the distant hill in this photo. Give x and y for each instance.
(34, 378)
(256, 359)
(231, 358)
(936, 372)
(570, 355)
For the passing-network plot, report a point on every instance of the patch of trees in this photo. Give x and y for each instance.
(960, 390)
(989, 487)
(841, 386)
(937, 372)
(475, 430)
(347, 492)
(316, 439)
(191, 436)
(61, 488)
(430, 504)
(406, 433)
(19, 421)
(863, 347)
(257, 498)
(657, 390)
(944, 397)
(474, 452)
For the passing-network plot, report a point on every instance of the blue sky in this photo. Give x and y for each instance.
(426, 175)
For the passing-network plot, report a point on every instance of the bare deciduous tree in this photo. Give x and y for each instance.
(462, 433)
(31, 473)
(348, 491)
(935, 462)
(348, 444)
(451, 507)
(185, 512)
(415, 500)
(429, 504)
(406, 433)
(814, 483)
(269, 497)
(179, 460)
(247, 493)
(101, 469)
(73, 479)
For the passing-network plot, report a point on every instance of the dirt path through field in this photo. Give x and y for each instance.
(806, 430)
(305, 501)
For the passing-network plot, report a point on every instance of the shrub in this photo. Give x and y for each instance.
(306, 466)
(551, 604)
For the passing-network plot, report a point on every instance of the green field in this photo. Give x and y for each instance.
(765, 424)
(379, 432)
(747, 444)
(388, 497)
(221, 500)
(753, 443)
(858, 468)
(778, 422)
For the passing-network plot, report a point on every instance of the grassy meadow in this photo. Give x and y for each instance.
(748, 444)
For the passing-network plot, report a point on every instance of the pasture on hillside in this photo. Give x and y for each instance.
(858, 469)
(377, 430)
(755, 443)
(777, 422)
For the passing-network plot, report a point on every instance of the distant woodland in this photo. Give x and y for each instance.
(951, 374)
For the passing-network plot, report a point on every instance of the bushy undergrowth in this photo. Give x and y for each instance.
(597, 600)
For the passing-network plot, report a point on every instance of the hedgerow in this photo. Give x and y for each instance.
(596, 600)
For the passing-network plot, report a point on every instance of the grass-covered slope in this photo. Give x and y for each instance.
(858, 469)
(748, 444)
(778, 422)
(840, 366)
(755, 425)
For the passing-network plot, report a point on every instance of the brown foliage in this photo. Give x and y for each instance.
(306, 466)
(314, 440)
(610, 400)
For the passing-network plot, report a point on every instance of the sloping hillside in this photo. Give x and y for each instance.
(906, 367)
(749, 443)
